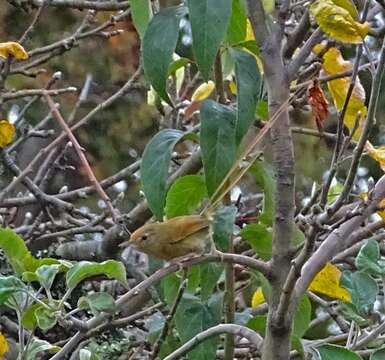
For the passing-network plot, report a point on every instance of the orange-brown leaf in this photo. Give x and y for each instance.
(318, 103)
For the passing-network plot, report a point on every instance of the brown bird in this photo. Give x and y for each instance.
(174, 238)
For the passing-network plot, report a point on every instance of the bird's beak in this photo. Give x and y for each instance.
(125, 243)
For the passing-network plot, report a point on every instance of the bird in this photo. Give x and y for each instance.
(174, 238)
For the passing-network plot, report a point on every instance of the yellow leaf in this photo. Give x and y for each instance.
(203, 91)
(376, 153)
(326, 282)
(3, 346)
(250, 37)
(349, 6)
(258, 298)
(338, 23)
(7, 132)
(13, 49)
(334, 63)
(233, 87)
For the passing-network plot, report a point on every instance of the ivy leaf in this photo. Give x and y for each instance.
(209, 21)
(217, 142)
(154, 168)
(159, 42)
(141, 13)
(201, 316)
(338, 23)
(185, 194)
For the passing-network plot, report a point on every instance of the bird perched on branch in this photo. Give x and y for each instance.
(174, 238)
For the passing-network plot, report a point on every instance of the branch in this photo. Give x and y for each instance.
(81, 4)
(254, 338)
(336, 242)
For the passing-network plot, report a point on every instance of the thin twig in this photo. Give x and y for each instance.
(91, 176)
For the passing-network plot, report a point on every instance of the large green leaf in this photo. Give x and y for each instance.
(18, 254)
(248, 85)
(46, 274)
(223, 226)
(334, 352)
(84, 269)
(260, 237)
(368, 259)
(158, 45)
(236, 31)
(154, 168)
(141, 13)
(209, 275)
(217, 142)
(193, 317)
(184, 195)
(302, 318)
(209, 21)
(362, 287)
(45, 318)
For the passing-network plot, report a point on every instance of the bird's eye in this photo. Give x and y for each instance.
(144, 237)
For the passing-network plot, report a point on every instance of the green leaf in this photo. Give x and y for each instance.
(193, 317)
(248, 83)
(209, 276)
(334, 352)
(223, 227)
(378, 355)
(265, 179)
(10, 285)
(37, 346)
(236, 31)
(84, 269)
(260, 237)
(185, 194)
(154, 168)
(97, 303)
(302, 318)
(250, 45)
(158, 45)
(262, 110)
(170, 286)
(362, 287)
(177, 64)
(209, 21)
(141, 13)
(349, 312)
(217, 142)
(45, 318)
(85, 354)
(46, 275)
(18, 254)
(258, 324)
(368, 258)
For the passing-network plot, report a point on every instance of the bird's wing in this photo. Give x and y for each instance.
(188, 225)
